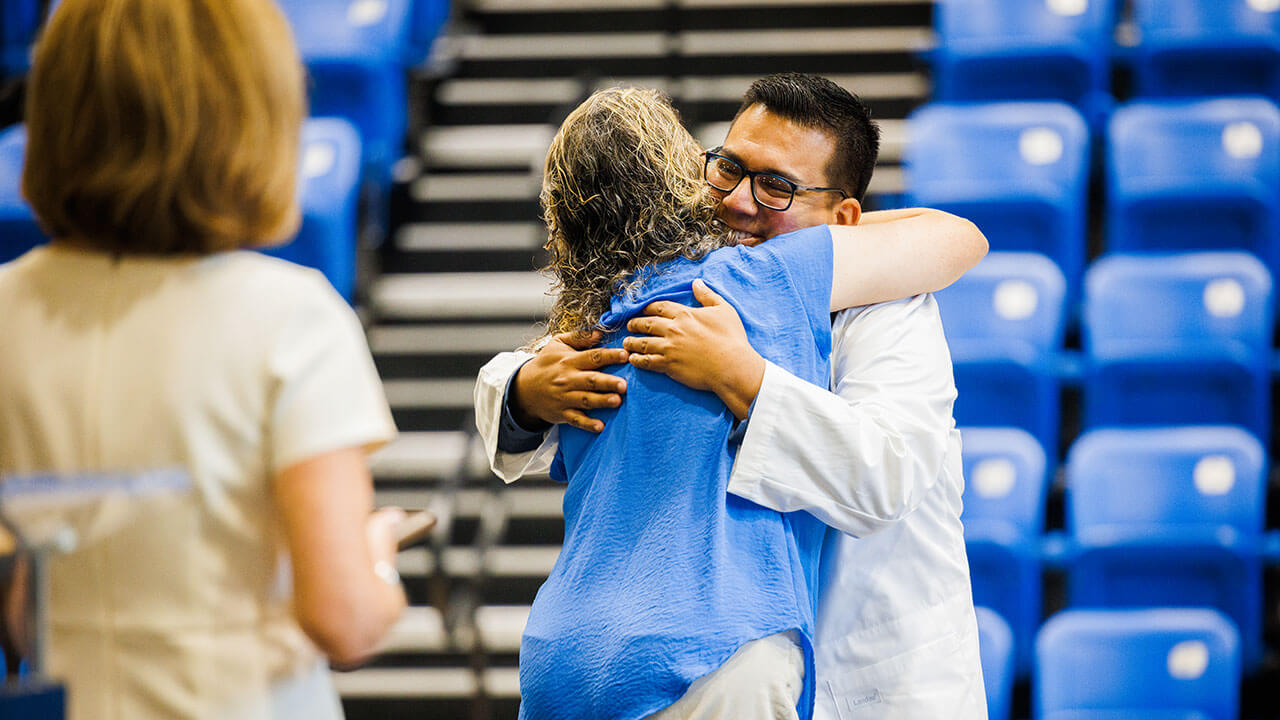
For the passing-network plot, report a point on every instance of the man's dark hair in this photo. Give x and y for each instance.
(816, 102)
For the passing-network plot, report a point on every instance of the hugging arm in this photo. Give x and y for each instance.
(891, 255)
(864, 456)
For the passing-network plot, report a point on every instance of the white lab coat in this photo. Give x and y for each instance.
(878, 460)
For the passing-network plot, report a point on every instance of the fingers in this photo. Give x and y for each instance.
(650, 325)
(645, 345)
(705, 295)
(648, 362)
(582, 422)
(596, 358)
(599, 382)
(582, 400)
(665, 308)
(581, 340)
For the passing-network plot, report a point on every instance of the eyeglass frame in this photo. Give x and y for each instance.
(751, 175)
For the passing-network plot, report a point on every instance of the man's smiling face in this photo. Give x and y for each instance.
(761, 141)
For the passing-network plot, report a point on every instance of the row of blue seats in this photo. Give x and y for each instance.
(1170, 516)
(1176, 338)
(1062, 49)
(328, 177)
(356, 51)
(1153, 664)
(1179, 175)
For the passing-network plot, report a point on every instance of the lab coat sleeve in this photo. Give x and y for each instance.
(490, 392)
(865, 456)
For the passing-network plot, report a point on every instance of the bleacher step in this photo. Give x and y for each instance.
(462, 295)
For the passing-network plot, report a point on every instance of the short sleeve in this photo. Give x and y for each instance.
(328, 395)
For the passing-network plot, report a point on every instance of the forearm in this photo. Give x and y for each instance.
(341, 600)
(901, 254)
(864, 456)
(857, 467)
(490, 390)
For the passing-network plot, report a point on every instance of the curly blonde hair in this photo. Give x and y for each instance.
(622, 191)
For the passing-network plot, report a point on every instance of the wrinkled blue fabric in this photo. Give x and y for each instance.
(663, 574)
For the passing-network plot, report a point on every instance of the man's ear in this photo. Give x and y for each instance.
(848, 212)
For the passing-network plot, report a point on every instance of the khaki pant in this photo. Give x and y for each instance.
(761, 681)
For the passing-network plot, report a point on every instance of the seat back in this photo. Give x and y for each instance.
(1004, 500)
(995, 647)
(1005, 480)
(1013, 301)
(1004, 323)
(19, 20)
(1207, 47)
(19, 231)
(329, 180)
(1178, 339)
(1049, 22)
(1220, 156)
(1188, 482)
(355, 52)
(1024, 50)
(1166, 663)
(1170, 517)
(1018, 170)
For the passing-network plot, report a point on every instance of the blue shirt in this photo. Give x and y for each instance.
(663, 574)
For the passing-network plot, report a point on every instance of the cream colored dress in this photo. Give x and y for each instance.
(231, 368)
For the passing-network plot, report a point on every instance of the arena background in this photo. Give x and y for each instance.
(433, 231)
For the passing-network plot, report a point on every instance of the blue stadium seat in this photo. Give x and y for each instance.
(429, 17)
(18, 22)
(1220, 157)
(995, 645)
(356, 52)
(1019, 50)
(1157, 664)
(1017, 170)
(329, 179)
(1004, 500)
(1170, 517)
(18, 229)
(1178, 339)
(1004, 322)
(1207, 47)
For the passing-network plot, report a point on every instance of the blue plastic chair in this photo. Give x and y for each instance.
(357, 53)
(1017, 170)
(329, 183)
(429, 17)
(1195, 175)
(1178, 339)
(995, 646)
(1170, 517)
(1020, 50)
(19, 20)
(1156, 664)
(18, 229)
(1206, 47)
(1004, 322)
(1004, 500)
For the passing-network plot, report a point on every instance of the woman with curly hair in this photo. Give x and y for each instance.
(672, 598)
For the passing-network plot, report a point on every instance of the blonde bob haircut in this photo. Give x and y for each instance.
(622, 191)
(165, 127)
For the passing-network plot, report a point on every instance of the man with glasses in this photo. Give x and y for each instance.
(877, 459)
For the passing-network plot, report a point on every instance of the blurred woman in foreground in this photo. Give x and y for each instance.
(163, 139)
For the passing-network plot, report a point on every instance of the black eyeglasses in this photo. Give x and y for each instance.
(772, 191)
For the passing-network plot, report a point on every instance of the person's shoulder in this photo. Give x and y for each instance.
(268, 277)
(17, 270)
(923, 304)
